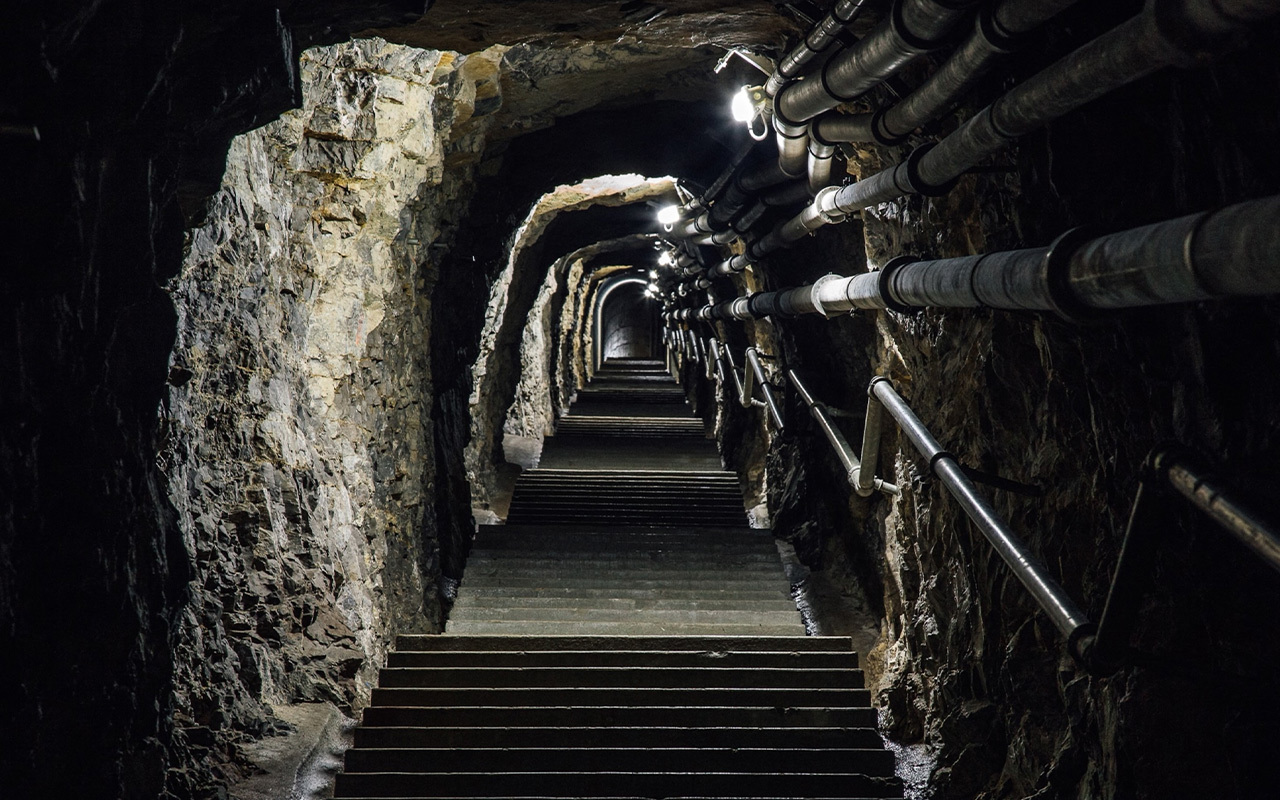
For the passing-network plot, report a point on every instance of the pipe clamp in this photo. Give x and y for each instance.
(885, 282)
(827, 197)
(817, 288)
(1056, 269)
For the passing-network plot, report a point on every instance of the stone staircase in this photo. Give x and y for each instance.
(625, 635)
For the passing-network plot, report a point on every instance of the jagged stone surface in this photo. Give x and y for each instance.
(513, 337)
(301, 451)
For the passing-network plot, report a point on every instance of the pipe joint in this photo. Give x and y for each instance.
(917, 183)
(994, 34)
(885, 286)
(1198, 30)
(826, 207)
(1056, 269)
(916, 41)
(882, 134)
(815, 294)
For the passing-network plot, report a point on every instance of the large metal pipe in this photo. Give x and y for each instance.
(820, 163)
(997, 32)
(1164, 34)
(912, 28)
(823, 34)
(1066, 616)
(1231, 252)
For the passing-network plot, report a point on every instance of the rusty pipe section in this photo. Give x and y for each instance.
(858, 474)
(1173, 33)
(1231, 252)
(1066, 616)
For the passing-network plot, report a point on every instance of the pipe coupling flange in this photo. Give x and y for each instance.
(916, 183)
(816, 290)
(1056, 273)
(788, 129)
(885, 285)
(914, 40)
(826, 207)
(996, 37)
(881, 134)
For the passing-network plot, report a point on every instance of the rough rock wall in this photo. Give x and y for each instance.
(134, 105)
(504, 361)
(301, 458)
(969, 664)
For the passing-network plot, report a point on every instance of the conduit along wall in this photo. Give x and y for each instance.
(1101, 281)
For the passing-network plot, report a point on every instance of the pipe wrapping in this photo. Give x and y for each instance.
(913, 27)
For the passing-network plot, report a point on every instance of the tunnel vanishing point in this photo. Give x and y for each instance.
(953, 319)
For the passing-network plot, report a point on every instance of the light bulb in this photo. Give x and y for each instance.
(742, 107)
(665, 259)
(653, 274)
(653, 288)
(669, 215)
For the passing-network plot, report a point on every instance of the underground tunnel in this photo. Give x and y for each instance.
(942, 332)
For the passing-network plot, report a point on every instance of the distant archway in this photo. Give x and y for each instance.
(626, 320)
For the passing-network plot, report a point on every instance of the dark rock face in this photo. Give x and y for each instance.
(968, 661)
(134, 106)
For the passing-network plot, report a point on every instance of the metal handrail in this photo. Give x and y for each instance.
(1169, 467)
(766, 388)
(1068, 617)
(860, 474)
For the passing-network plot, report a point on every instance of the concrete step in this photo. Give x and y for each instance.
(628, 580)
(639, 737)
(610, 784)
(582, 696)
(669, 644)
(619, 677)
(743, 554)
(461, 613)
(620, 716)
(640, 761)
(738, 565)
(763, 602)
(587, 627)
(746, 594)
(634, 659)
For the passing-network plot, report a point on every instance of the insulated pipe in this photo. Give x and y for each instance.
(745, 185)
(912, 28)
(820, 38)
(1231, 252)
(789, 194)
(821, 160)
(771, 402)
(853, 468)
(835, 127)
(995, 34)
(793, 147)
(1164, 34)
(1069, 619)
